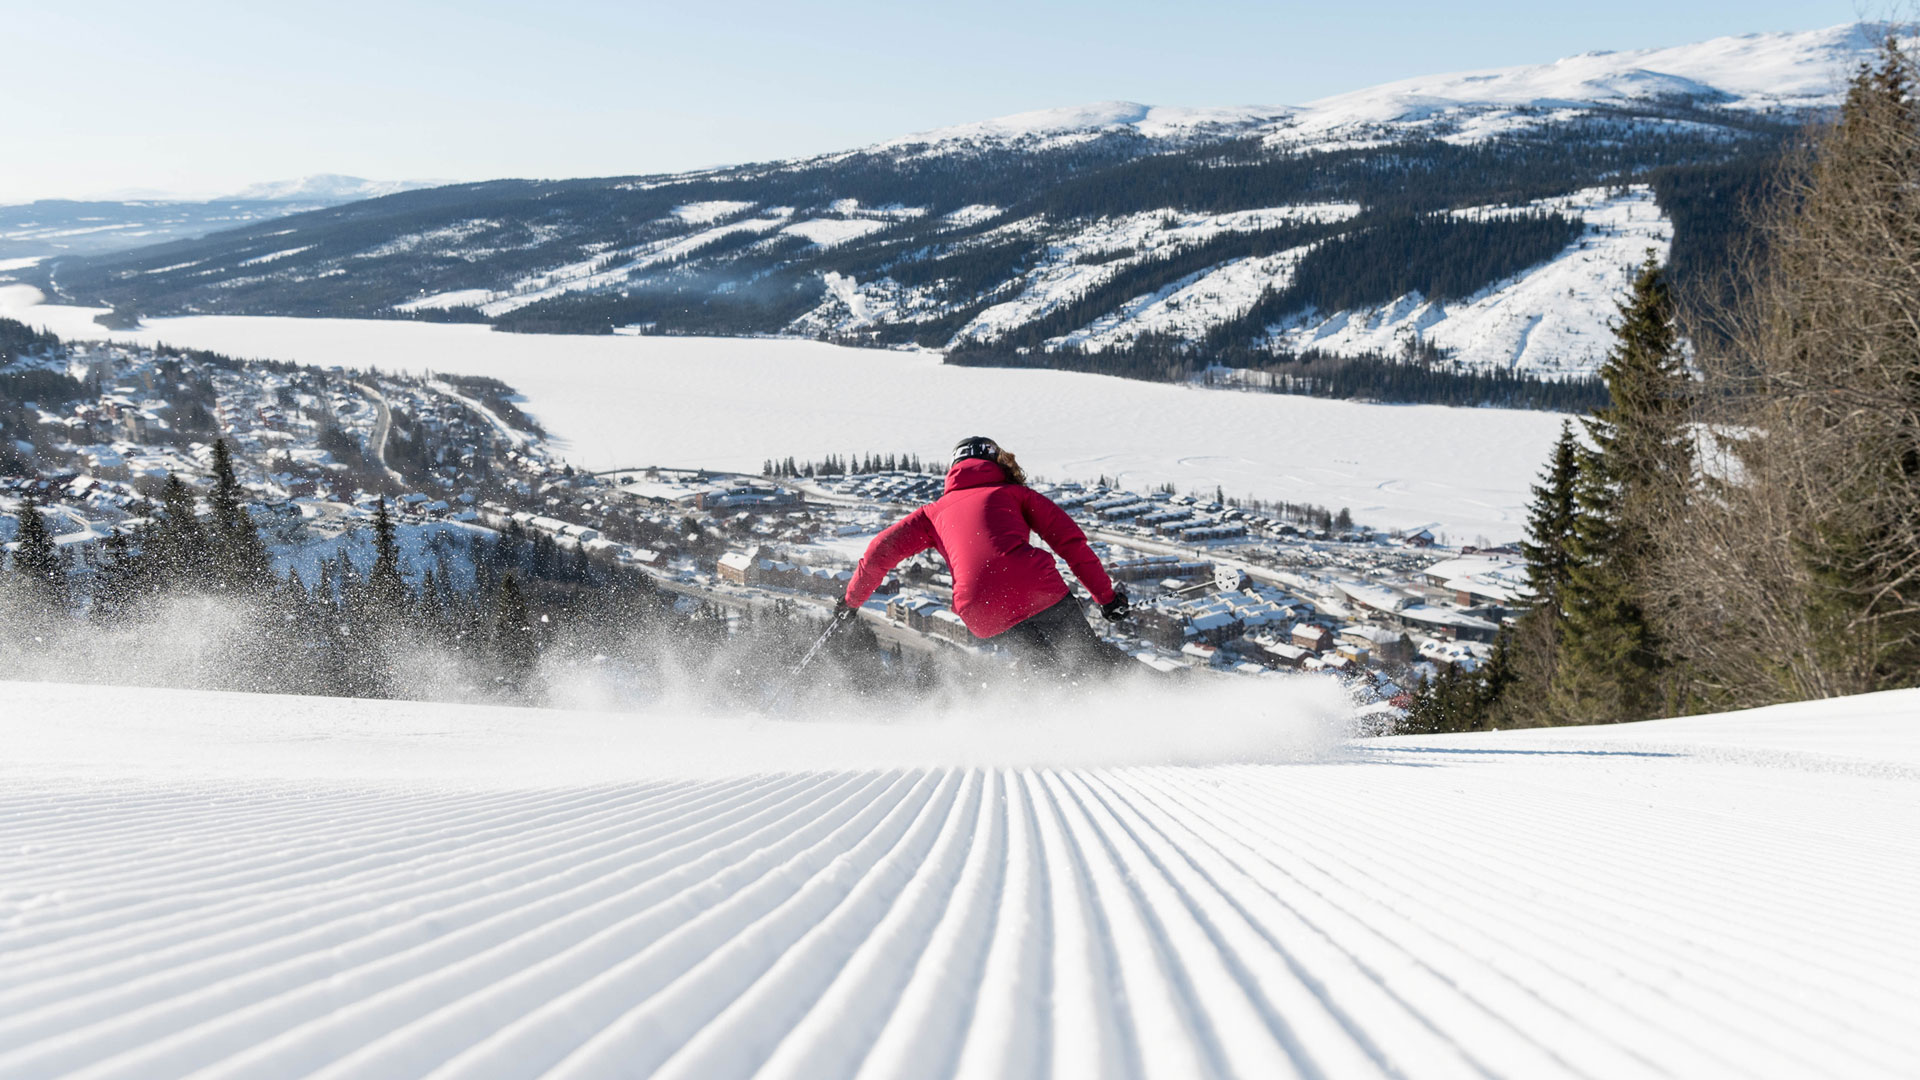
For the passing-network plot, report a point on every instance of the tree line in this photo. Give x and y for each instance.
(1424, 378)
(1743, 529)
(836, 465)
(186, 594)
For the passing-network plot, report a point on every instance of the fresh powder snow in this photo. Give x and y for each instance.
(1207, 885)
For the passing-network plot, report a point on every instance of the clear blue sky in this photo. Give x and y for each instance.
(208, 97)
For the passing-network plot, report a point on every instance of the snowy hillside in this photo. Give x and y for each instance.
(1553, 318)
(230, 885)
(1108, 237)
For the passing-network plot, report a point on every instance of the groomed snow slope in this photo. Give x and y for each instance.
(224, 885)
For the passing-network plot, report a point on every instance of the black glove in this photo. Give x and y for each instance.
(1116, 608)
(843, 610)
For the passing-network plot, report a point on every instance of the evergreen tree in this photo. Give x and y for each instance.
(175, 546)
(116, 577)
(1518, 679)
(1448, 703)
(515, 647)
(237, 559)
(38, 573)
(1550, 526)
(387, 590)
(1611, 663)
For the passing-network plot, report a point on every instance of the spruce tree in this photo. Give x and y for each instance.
(1517, 680)
(1611, 662)
(1550, 526)
(175, 547)
(116, 582)
(237, 558)
(515, 648)
(1448, 703)
(38, 574)
(387, 590)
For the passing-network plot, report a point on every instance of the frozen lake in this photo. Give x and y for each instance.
(731, 403)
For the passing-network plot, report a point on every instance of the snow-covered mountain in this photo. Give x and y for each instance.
(1751, 72)
(1044, 128)
(1754, 72)
(1483, 220)
(54, 227)
(327, 189)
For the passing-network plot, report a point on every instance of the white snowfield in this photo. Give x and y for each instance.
(730, 403)
(218, 885)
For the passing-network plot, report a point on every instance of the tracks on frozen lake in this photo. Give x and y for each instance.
(1518, 905)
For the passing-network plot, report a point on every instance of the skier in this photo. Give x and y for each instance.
(1004, 588)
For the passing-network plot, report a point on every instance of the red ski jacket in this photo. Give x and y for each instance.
(981, 526)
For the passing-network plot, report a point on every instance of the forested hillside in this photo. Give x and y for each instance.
(1738, 526)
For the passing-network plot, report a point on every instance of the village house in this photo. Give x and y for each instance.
(737, 567)
(1312, 637)
(1383, 644)
(914, 609)
(944, 623)
(1160, 626)
(1215, 627)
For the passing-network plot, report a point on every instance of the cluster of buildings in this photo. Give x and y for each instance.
(759, 568)
(892, 488)
(1214, 585)
(1163, 514)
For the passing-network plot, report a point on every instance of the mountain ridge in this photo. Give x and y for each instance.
(1066, 237)
(126, 220)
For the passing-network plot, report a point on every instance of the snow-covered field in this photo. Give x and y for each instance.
(225, 885)
(616, 402)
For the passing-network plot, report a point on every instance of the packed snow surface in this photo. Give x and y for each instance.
(224, 885)
(620, 402)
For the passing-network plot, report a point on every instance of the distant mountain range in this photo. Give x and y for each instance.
(1484, 220)
(49, 227)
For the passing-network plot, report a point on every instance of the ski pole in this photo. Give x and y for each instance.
(786, 687)
(832, 625)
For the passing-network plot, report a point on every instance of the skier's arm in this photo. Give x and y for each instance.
(904, 538)
(1065, 537)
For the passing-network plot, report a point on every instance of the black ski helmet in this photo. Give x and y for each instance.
(974, 446)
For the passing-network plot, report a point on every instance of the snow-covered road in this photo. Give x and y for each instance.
(222, 886)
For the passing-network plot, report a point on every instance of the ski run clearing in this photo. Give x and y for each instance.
(223, 885)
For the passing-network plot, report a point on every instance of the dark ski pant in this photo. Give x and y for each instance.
(1058, 642)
